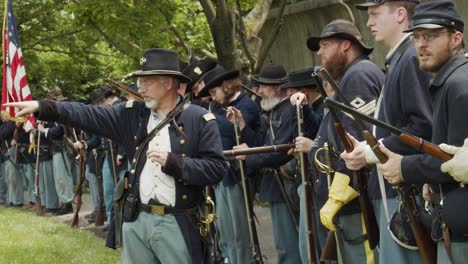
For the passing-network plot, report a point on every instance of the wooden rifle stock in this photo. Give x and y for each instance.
(329, 252)
(39, 209)
(79, 192)
(101, 212)
(257, 150)
(368, 214)
(425, 147)
(122, 87)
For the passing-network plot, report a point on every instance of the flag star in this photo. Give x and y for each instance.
(9, 14)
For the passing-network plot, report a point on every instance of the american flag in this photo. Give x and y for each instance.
(15, 83)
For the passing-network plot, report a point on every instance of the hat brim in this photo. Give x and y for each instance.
(262, 80)
(217, 81)
(61, 98)
(313, 43)
(174, 74)
(424, 26)
(301, 84)
(364, 6)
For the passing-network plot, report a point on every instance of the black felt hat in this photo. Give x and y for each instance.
(369, 3)
(197, 69)
(300, 79)
(436, 14)
(339, 29)
(99, 94)
(160, 62)
(215, 77)
(271, 74)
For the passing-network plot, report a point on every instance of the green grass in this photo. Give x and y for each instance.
(27, 238)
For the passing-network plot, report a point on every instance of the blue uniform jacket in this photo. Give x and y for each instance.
(251, 116)
(282, 126)
(196, 159)
(450, 100)
(361, 85)
(407, 105)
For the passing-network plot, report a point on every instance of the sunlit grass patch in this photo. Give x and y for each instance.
(27, 238)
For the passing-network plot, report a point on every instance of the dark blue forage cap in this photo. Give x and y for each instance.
(436, 14)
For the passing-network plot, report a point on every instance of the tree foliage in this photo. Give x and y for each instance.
(67, 42)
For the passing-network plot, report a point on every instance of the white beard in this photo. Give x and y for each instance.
(153, 104)
(268, 103)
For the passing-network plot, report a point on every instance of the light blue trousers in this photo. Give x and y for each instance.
(459, 253)
(389, 251)
(3, 184)
(232, 223)
(14, 183)
(93, 187)
(63, 177)
(285, 234)
(27, 171)
(154, 238)
(48, 194)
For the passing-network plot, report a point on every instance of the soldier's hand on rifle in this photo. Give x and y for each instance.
(26, 108)
(157, 155)
(40, 127)
(13, 142)
(298, 98)
(241, 146)
(457, 167)
(391, 170)
(118, 160)
(426, 192)
(233, 114)
(302, 145)
(355, 159)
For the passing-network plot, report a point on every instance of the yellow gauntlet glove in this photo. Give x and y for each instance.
(340, 193)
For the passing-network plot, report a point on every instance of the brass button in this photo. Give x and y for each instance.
(132, 171)
(183, 155)
(182, 142)
(135, 137)
(130, 185)
(184, 197)
(181, 128)
(134, 160)
(137, 148)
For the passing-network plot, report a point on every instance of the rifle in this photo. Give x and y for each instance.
(253, 237)
(307, 190)
(256, 150)
(361, 176)
(406, 138)
(425, 244)
(113, 160)
(101, 212)
(81, 171)
(39, 209)
(122, 87)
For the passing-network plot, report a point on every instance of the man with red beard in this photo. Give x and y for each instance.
(404, 103)
(343, 53)
(437, 31)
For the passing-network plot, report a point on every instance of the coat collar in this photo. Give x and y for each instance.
(450, 66)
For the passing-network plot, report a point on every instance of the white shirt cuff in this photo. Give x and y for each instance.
(371, 158)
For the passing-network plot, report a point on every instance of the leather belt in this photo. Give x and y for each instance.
(164, 210)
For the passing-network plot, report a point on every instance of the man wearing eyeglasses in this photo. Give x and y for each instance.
(405, 103)
(437, 31)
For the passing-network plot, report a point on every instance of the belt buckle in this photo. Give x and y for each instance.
(157, 209)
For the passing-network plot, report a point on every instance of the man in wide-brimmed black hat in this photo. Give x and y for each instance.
(405, 102)
(175, 149)
(344, 55)
(278, 126)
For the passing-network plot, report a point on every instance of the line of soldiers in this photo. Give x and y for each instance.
(379, 201)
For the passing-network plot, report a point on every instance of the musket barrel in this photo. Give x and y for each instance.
(257, 150)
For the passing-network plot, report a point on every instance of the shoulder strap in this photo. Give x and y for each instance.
(397, 56)
(175, 112)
